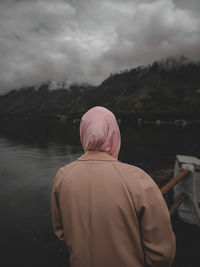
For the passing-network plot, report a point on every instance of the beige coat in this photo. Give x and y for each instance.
(111, 214)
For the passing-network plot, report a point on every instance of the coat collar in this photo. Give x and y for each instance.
(97, 155)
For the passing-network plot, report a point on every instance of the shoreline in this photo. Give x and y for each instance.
(139, 121)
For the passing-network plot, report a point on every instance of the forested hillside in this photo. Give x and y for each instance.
(163, 90)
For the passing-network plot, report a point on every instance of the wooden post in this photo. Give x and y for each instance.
(174, 181)
(174, 207)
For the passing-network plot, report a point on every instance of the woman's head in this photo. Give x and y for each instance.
(99, 131)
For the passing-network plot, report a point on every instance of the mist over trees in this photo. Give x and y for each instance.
(168, 89)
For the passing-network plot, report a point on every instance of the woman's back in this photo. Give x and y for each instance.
(99, 217)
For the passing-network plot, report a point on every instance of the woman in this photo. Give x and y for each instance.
(109, 214)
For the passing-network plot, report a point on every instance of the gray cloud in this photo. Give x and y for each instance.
(86, 40)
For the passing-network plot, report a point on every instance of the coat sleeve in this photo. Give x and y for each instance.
(155, 224)
(56, 216)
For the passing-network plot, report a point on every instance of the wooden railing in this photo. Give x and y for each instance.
(170, 185)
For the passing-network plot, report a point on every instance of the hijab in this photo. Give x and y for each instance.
(99, 131)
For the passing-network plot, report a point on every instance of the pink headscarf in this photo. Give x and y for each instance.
(99, 131)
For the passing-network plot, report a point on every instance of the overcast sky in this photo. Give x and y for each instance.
(86, 40)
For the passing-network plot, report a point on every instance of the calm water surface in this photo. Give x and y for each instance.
(31, 152)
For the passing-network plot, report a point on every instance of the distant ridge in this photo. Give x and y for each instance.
(168, 89)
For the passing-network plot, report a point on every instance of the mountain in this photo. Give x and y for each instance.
(42, 100)
(167, 89)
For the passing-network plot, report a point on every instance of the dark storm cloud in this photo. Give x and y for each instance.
(192, 5)
(86, 40)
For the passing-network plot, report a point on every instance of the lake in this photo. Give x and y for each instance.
(32, 151)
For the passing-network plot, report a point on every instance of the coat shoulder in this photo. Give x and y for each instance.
(62, 174)
(128, 169)
(135, 176)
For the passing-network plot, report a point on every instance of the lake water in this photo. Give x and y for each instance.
(32, 151)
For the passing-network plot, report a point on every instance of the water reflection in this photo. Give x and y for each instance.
(31, 153)
(152, 146)
(39, 132)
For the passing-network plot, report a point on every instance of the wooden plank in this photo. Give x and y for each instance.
(174, 181)
(174, 207)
